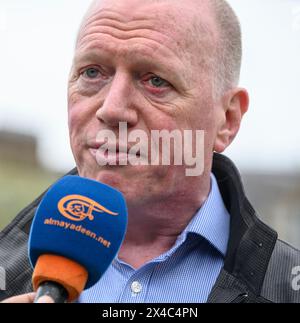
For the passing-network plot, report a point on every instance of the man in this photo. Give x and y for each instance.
(166, 65)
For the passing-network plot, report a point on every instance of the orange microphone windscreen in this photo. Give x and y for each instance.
(71, 275)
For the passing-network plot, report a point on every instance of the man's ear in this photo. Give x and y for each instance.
(234, 105)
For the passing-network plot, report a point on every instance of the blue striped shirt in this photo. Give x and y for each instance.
(184, 274)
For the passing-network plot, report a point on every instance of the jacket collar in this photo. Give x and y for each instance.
(251, 242)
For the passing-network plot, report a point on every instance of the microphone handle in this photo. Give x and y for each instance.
(54, 290)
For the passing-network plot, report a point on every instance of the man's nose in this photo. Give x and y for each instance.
(118, 104)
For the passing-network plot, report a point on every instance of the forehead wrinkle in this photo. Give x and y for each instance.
(95, 44)
(190, 19)
(101, 20)
(111, 14)
(111, 18)
(154, 38)
(96, 48)
(136, 37)
(165, 25)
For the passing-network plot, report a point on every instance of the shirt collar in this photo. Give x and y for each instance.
(212, 221)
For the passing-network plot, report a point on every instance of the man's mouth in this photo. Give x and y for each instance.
(112, 154)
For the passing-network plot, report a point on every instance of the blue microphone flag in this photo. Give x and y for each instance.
(82, 220)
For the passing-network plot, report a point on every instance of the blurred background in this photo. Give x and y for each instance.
(36, 47)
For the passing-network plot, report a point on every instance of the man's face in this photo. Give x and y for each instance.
(147, 65)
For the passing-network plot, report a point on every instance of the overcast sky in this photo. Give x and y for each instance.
(36, 48)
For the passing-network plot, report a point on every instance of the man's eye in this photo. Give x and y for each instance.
(91, 73)
(157, 81)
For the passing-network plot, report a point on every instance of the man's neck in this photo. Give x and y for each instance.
(153, 228)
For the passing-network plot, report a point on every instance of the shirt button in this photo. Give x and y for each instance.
(136, 287)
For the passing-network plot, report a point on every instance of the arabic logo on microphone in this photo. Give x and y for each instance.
(78, 208)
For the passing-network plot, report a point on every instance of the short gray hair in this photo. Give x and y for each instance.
(229, 48)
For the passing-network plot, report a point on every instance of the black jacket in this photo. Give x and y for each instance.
(258, 267)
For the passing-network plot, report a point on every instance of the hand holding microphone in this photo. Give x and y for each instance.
(77, 231)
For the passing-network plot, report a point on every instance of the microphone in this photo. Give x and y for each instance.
(76, 233)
